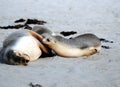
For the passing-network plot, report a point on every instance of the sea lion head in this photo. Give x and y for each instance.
(48, 39)
(16, 58)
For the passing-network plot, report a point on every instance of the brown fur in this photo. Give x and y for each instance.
(39, 37)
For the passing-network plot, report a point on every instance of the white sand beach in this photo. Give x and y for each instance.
(100, 17)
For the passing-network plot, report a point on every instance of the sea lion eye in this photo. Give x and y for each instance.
(48, 40)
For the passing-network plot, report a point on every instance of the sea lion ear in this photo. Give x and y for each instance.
(36, 35)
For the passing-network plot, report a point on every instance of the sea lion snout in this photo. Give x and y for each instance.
(16, 58)
(48, 41)
(47, 38)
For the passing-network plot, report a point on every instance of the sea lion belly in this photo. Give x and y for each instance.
(28, 45)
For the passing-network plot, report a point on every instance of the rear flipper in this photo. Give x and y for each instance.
(91, 51)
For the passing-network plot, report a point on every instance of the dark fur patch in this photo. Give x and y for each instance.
(16, 59)
(51, 54)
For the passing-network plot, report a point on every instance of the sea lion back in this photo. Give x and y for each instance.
(42, 30)
(86, 40)
(13, 37)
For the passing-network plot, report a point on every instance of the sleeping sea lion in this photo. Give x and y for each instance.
(82, 45)
(22, 46)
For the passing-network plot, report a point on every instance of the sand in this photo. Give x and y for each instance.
(99, 17)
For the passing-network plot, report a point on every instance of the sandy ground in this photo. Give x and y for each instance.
(99, 17)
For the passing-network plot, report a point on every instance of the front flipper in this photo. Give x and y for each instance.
(39, 37)
(36, 35)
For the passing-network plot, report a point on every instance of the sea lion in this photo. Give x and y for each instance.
(82, 45)
(22, 46)
(42, 30)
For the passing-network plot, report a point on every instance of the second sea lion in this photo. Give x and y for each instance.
(82, 45)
